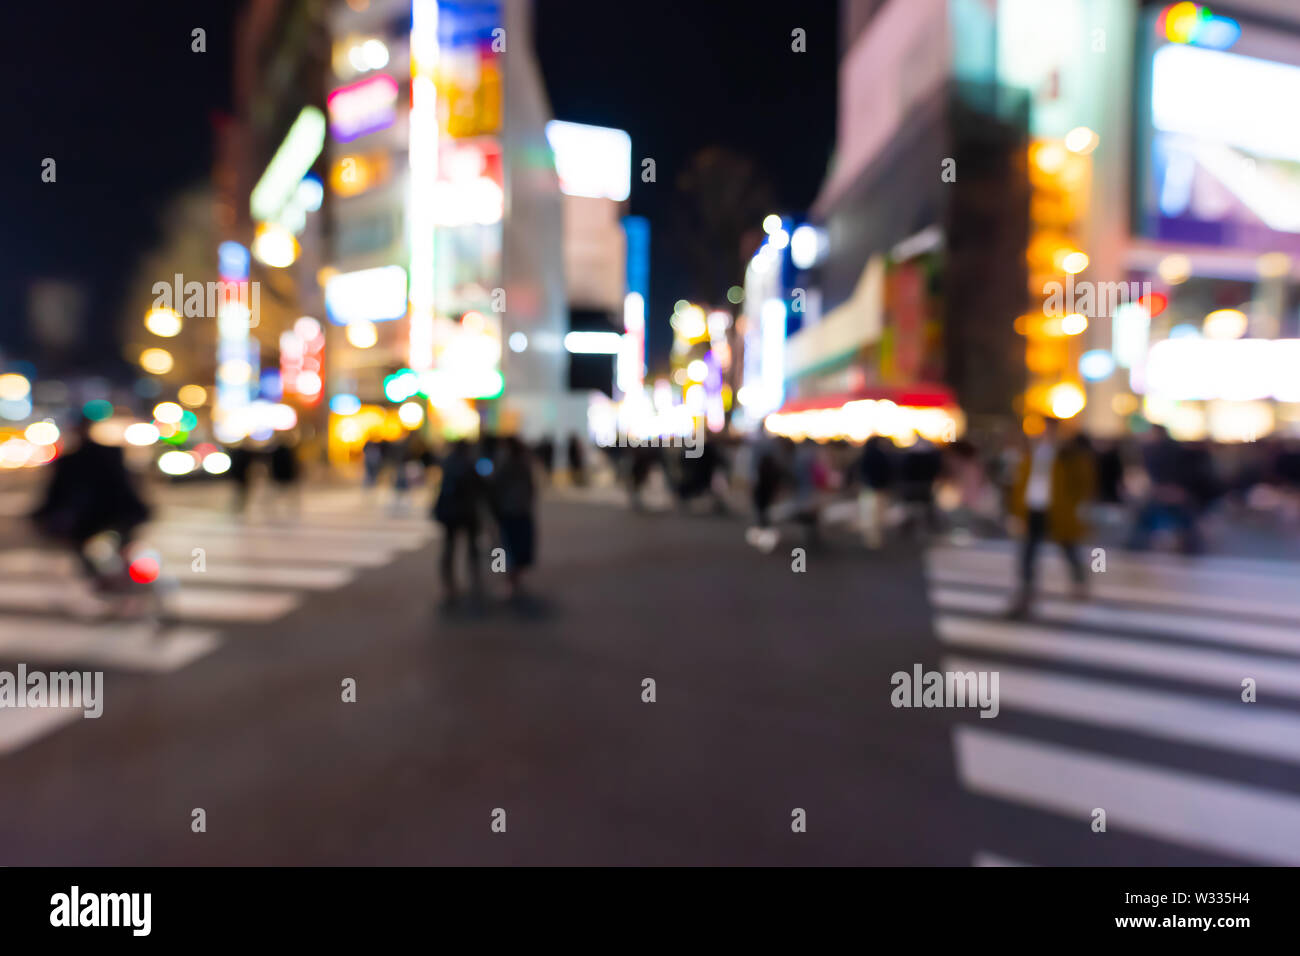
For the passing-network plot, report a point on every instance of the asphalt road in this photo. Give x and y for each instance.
(773, 694)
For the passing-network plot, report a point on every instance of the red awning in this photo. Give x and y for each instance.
(921, 395)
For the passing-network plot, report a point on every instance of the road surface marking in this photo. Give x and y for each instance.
(1191, 579)
(1246, 634)
(182, 547)
(230, 604)
(18, 728)
(214, 604)
(1238, 727)
(273, 575)
(125, 645)
(1215, 668)
(1119, 557)
(1059, 583)
(1179, 807)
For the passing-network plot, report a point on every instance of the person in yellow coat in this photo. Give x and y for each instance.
(1054, 481)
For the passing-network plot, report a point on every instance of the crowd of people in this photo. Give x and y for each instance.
(1045, 489)
(1055, 487)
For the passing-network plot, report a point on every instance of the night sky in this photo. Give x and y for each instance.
(114, 94)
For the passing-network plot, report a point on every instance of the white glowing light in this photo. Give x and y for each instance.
(1225, 98)
(304, 142)
(1081, 140)
(423, 180)
(1237, 370)
(375, 54)
(176, 463)
(592, 343)
(309, 384)
(805, 246)
(163, 322)
(307, 329)
(592, 161)
(372, 295)
(633, 312)
(42, 433)
(217, 463)
(169, 413)
(363, 334)
(410, 414)
(140, 434)
(275, 246)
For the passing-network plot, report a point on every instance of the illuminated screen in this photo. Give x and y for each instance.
(1224, 159)
(371, 295)
(592, 161)
(1233, 370)
(362, 108)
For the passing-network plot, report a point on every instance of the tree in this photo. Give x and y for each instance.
(721, 195)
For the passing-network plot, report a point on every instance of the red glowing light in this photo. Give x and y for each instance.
(1154, 303)
(143, 570)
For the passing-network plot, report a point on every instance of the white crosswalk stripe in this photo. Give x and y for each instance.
(1157, 655)
(216, 570)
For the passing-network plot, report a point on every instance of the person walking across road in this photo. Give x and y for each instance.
(1055, 479)
(457, 510)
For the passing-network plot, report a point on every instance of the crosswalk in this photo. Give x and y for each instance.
(218, 571)
(1132, 701)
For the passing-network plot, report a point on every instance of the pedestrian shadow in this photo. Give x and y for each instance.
(471, 610)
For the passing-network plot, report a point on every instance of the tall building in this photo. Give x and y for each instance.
(447, 217)
(269, 228)
(1079, 209)
(897, 298)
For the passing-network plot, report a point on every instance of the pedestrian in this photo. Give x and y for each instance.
(1286, 468)
(918, 471)
(372, 459)
(241, 473)
(768, 478)
(457, 510)
(284, 469)
(1054, 481)
(513, 500)
(811, 479)
(577, 461)
(546, 456)
(876, 473)
(90, 493)
(639, 468)
(1170, 497)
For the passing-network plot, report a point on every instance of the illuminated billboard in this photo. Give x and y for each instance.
(279, 184)
(370, 295)
(592, 161)
(362, 108)
(1194, 369)
(1223, 157)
